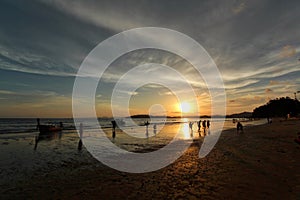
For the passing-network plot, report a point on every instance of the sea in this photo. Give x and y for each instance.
(29, 125)
(131, 133)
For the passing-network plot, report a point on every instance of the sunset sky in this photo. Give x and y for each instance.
(255, 45)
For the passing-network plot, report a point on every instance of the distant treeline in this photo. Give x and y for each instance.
(279, 107)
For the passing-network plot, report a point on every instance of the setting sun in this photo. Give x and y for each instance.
(185, 107)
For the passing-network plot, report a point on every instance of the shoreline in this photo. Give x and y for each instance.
(30, 124)
(263, 162)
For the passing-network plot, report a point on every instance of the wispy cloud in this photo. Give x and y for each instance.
(6, 92)
(239, 8)
(110, 19)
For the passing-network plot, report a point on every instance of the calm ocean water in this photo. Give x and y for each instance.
(28, 125)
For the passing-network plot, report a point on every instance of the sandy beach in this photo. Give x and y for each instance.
(261, 163)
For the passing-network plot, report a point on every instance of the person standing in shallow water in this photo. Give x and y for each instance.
(239, 127)
(208, 123)
(191, 125)
(204, 124)
(80, 137)
(114, 124)
(199, 125)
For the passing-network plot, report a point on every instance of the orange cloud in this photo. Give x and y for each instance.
(287, 51)
(274, 83)
(257, 98)
(268, 90)
(279, 82)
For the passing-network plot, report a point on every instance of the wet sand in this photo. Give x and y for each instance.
(261, 163)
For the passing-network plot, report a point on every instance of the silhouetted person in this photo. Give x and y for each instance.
(147, 123)
(208, 123)
(191, 125)
(147, 131)
(199, 125)
(114, 124)
(79, 145)
(38, 123)
(80, 137)
(204, 124)
(239, 127)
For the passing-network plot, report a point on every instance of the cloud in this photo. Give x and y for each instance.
(133, 93)
(257, 98)
(167, 93)
(287, 51)
(239, 83)
(278, 82)
(239, 8)
(268, 90)
(6, 92)
(32, 63)
(93, 13)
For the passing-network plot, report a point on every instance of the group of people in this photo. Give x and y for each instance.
(205, 123)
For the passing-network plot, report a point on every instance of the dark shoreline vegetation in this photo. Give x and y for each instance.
(279, 107)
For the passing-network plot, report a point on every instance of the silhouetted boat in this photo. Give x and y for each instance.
(48, 128)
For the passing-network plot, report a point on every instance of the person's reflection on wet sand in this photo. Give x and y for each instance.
(202, 134)
(36, 142)
(154, 129)
(147, 132)
(191, 129)
(208, 132)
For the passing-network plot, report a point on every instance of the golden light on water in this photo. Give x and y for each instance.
(185, 119)
(185, 131)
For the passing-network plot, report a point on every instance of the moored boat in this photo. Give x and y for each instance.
(49, 128)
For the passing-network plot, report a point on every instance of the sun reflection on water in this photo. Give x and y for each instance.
(185, 131)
